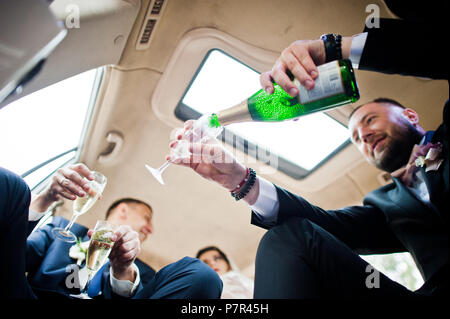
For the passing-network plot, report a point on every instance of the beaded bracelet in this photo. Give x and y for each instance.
(242, 182)
(247, 186)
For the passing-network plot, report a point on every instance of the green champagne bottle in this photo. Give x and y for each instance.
(335, 86)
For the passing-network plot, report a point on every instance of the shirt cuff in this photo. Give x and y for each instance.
(34, 216)
(357, 47)
(266, 205)
(124, 288)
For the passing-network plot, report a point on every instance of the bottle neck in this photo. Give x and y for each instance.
(235, 114)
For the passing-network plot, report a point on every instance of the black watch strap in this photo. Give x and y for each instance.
(333, 48)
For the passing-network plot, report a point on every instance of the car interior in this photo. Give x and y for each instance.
(139, 61)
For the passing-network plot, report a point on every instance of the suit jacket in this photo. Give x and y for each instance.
(406, 47)
(47, 261)
(391, 218)
(393, 48)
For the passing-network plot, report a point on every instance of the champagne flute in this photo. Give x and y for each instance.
(179, 151)
(200, 131)
(81, 205)
(98, 251)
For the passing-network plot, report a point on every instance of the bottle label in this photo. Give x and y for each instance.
(328, 83)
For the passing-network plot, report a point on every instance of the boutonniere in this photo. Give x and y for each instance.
(432, 160)
(79, 251)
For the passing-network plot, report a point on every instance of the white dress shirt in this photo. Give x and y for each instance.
(124, 288)
(356, 48)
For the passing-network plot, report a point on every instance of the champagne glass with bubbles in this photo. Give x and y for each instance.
(98, 251)
(81, 205)
(201, 131)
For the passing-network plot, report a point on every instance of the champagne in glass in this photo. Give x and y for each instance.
(81, 205)
(98, 251)
(99, 247)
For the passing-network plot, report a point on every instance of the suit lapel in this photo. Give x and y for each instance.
(406, 200)
(403, 197)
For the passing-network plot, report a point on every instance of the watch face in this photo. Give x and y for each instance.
(327, 36)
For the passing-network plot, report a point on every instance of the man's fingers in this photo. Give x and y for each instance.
(302, 74)
(297, 60)
(296, 67)
(78, 173)
(207, 153)
(56, 191)
(179, 134)
(72, 181)
(129, 236)
(189, 124)
(172, 144)
(266, 82)
(126, 248)
(197, 151)
(124, 257)
(280, 77)
(64, 193)
(119, 233)
(66, 186)
(187, 162)
(123, 234)
(83, 170)
(305, 59)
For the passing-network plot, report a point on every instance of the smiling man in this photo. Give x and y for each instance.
(385, 132)
(310, 252)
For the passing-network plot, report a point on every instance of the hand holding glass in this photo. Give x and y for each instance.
(98, 251)
(81, 205)
(201, 131)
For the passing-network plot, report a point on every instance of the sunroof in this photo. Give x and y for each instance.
(300, 146)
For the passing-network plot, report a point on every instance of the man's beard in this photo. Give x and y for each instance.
(398, 151)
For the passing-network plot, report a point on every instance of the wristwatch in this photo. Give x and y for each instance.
(333, 49)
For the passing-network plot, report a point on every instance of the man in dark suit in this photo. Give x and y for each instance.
(407, 215)
(56, 266)
(14, 201)
(52, 265)
(311, 252)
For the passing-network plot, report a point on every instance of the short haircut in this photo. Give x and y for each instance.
(209, 248)
(126, 200)
(378, 100)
